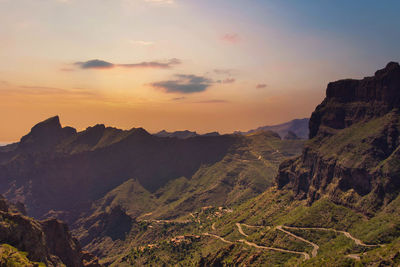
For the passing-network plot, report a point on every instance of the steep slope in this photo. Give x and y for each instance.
(105, 181)
(47, 241)
(245, 171)
(335, 205)
(354, 152)
(298, 126)
(57, 170)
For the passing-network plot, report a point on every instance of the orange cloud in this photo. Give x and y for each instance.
(261, 86)
(232, 38)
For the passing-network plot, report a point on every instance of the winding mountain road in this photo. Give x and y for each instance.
(347, 234)
(306, 256)
(254, 226)
(241, 230)
(282, 228)
(218, 237)
(315, 246)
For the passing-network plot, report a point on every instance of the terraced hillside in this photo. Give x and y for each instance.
(335, 205)
(102, 179)
(243, 173)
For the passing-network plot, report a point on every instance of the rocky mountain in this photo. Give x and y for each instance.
(183, 134)
(28, 242)
(104, 182)
(135, 199)
(58, 170)
(244, 172)
(298, 127)
(354, 151)
(178, 134)
(337, 204)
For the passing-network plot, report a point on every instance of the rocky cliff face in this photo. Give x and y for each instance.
(351, 101)
(353, 156)
(46, 241)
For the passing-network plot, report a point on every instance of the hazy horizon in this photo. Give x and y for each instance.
(183, 64)
(7, 142)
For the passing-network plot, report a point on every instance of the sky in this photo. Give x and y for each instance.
(203, 65)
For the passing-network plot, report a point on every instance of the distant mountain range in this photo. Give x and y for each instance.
(336, 204)
(102, 179)
(181, 199)
(293, 129)
(183, 134)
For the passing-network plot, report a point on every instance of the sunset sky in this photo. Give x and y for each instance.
(203, 65)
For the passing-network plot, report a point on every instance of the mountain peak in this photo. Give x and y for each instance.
(390, 67)
(50, 123)
(177, 134)
(354, 156)
(45, 134)
(350, 101)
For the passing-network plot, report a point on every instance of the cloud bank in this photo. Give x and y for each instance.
(184, 84)
(101, 64)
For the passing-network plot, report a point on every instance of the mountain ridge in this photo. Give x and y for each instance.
(297, 126)
(355, 137)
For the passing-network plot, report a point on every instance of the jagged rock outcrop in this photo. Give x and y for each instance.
(46, 241)
(353, 157)
(177, 134)
(351, 101)
(45, 135)
(56, 171)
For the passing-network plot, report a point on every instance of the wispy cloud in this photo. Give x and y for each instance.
(261, 86)
(43, 90)
(169, 2)
(101, 64)
(229, 72)
(227, 80)
(67, 69)
(211, 101)
(38, 90)
(51, 93)
(232, 38)
(184, 84)
(141, 42)
(178, 98)
(153, 64)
